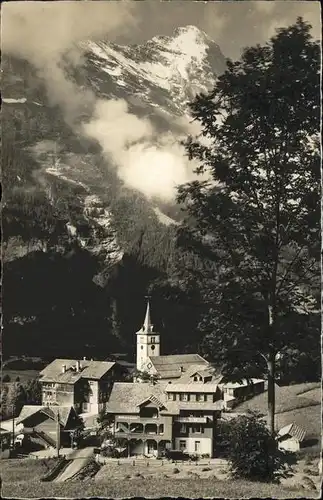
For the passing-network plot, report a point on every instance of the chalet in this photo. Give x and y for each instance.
(46, 425)
(179, 408)
(149, 418)
(290, 437)
(85, 384)
(236, 392)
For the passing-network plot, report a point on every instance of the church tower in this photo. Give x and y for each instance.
(148, 342)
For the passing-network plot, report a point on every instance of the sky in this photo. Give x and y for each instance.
(233, 25)
(44, 32)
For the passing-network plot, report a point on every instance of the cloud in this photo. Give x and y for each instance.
(48, 37)
(264, 6)
(151, 163)
(270, 15)
(47, 33)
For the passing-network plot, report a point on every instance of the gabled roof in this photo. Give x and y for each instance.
(193, 387)
(126, 397)
(154, 400)
(292, 430)
(170, 366)
(97, 369)
(204, 371)
(63, 412)
(89, 370)
(27, 411)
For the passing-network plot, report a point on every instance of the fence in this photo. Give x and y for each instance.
(141, 462)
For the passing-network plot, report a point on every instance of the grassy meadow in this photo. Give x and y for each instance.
(21, 479)
(299, 403)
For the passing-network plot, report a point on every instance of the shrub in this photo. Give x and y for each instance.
(6, 378)
(253, 452)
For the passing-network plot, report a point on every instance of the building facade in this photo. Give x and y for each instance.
(178, 407)
(49, 427)
(151, 418)
(85, 385)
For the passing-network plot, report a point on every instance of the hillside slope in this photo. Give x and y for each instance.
(299, 403)
(69, 206)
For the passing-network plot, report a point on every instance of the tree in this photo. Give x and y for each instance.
(4, 402)
(33, 392)
(16, 398)
(253, 452)
(256, 216)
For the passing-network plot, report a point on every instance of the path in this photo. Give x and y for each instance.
(78, 458)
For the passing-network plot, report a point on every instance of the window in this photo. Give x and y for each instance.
(197, 446)
(185, 397)
(196, 429)
(182, 444)
(199, 397)
(195, 379)
(142, 347)
(174, 397)
(152, 340)
(205, 397)
(183, 428)
(152, 347)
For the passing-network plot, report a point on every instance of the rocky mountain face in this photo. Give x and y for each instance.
(164, 74)
(63, 190)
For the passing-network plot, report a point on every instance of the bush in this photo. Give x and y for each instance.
(253, 452)
(6, 378)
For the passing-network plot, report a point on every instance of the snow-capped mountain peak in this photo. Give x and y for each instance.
(164, 72)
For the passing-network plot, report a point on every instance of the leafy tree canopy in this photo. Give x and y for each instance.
(256, 212)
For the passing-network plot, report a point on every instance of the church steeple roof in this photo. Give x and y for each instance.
(147, 326)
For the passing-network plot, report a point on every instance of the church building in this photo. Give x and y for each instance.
(149, 359)
(148, 342)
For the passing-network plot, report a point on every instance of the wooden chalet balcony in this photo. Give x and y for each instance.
(142, 431)
(134, 418)
(193, 420)
(142, 435)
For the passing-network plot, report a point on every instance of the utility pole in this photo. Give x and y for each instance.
(13, 426)
(58, 435)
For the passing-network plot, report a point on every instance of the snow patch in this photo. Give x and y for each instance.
(10, 100)
(164, 219)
